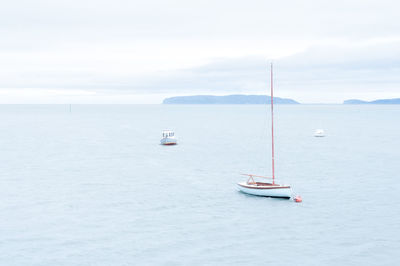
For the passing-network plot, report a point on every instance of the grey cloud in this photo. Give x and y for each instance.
(321, 71)
(316, 70)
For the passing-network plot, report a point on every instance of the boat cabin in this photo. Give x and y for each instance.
(168, 134)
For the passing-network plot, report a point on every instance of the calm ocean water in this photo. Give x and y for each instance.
(94, 187)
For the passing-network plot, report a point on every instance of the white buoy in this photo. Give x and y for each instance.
(319, 133)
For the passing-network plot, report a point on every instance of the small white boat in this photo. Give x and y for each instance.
(319, 133)
(168, 138)
(266, 189)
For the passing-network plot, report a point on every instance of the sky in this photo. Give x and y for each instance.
(143, 51)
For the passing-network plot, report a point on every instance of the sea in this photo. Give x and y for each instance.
(91, 185)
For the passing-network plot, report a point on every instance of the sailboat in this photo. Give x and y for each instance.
(268, 188)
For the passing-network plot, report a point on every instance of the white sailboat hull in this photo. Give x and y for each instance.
(168, 141)
(275, 191)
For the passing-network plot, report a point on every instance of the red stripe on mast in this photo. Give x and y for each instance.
(272, 127)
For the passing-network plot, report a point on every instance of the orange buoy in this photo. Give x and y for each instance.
(298, 198)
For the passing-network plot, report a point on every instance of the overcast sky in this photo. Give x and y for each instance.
(142, 51)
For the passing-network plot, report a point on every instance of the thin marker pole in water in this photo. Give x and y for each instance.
(272, 127)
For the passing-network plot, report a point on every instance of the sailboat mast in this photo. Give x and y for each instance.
(272, 126)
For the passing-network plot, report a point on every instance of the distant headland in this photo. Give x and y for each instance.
(227, 99)
(381, 101)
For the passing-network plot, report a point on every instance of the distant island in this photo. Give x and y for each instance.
(381, 101)
(227, 99)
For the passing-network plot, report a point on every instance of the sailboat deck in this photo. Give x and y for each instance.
(262, 185)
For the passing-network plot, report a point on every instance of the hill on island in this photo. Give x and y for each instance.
(227, 99)
(381, 101)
